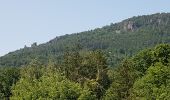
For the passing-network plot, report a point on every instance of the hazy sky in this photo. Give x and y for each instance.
(23, 22)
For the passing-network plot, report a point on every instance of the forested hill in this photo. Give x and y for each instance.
(116, 40)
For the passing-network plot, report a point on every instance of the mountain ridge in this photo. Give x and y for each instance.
(121, 39)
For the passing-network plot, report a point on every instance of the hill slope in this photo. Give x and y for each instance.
(119, 40)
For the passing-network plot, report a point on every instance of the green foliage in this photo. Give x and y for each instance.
(148, 57)
(145, 76)
(8, 77)
(86, 76)
(89, 70)
(72, 65)
(51, 71)
(122, 81)
(40, 82)
(154, 85)
(162, 53)
(86, 94)
(33, 70)
(143, 60)
(51, 87)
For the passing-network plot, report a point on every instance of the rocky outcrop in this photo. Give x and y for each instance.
(129, 26)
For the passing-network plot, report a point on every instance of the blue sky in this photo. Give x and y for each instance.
(23, 22)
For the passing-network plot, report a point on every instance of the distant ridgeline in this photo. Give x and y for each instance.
(117, 41)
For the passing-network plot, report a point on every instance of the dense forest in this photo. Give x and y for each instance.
(117, 41)
(145, 76)
(129, 60)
